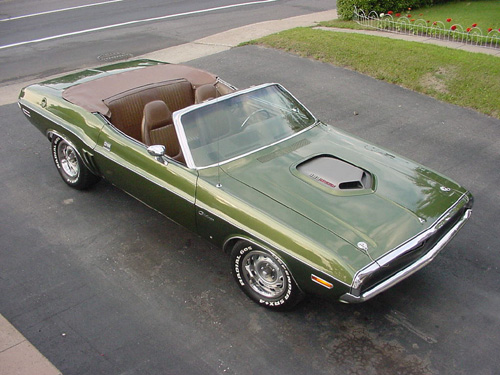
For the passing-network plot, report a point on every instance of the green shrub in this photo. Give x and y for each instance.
(345, 8)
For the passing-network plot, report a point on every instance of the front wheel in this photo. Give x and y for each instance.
(70, 165)
(264, 277)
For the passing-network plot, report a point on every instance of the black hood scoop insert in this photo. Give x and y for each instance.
(334, 174)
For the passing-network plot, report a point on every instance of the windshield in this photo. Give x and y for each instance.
(239, 124)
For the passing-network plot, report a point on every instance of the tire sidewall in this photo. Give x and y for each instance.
(85, 178)
(73, 182)
(288, 297)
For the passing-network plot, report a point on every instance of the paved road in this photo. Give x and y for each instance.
(100, 284)
(99, 33)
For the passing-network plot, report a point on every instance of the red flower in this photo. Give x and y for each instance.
(434, 23)
(412, 20)
(428, 21)
(389, 12)
(474, 24)
(454, 27)
(468, 29)
(448, 20)
(409, 16)
(421, 14)
(490, 29)
(398, 14)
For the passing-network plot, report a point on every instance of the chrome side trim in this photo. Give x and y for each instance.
(219, 80)
(354, 297)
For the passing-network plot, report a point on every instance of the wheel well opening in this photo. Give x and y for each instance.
(228, 246)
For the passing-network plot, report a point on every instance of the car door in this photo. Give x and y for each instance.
(168, 187)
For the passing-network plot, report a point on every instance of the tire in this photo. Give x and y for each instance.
(70, 165)
(264, 277)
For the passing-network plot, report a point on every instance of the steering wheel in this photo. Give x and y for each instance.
(245, 123)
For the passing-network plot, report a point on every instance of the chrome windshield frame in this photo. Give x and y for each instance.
(177, 115)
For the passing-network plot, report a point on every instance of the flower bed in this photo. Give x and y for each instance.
(406, 23)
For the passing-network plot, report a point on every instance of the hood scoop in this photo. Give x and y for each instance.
(334, 175)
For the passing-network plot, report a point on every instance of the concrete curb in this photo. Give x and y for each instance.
(18, 356)
(228, 39)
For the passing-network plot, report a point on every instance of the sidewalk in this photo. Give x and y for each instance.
(18, 356)
(232, 38)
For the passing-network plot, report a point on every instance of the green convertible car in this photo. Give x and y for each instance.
(300, 206)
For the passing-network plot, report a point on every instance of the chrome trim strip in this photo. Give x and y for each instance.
(403, 274)
(183, 139)
(220, 80)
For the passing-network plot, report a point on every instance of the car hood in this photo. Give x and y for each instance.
(403, 200)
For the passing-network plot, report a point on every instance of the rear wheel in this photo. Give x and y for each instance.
(264, 277)
(70, 165)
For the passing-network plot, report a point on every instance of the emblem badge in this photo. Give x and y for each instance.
(363, 246)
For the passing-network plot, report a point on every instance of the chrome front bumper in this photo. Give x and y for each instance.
(356, 296)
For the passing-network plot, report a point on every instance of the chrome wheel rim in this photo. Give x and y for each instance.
(68, 159)
(264, 274)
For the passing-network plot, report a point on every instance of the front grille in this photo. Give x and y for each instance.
(411, 256)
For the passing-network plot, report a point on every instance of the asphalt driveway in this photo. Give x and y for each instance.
(101, 284)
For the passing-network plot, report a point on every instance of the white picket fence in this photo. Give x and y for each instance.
(407, 25)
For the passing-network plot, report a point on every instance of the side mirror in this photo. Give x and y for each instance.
(158, 151)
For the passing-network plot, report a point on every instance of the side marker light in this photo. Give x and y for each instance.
(321, 282)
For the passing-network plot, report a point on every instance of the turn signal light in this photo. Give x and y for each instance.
(321, 282)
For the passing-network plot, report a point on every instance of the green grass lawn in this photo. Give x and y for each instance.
(463, 78)
(486, 14)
